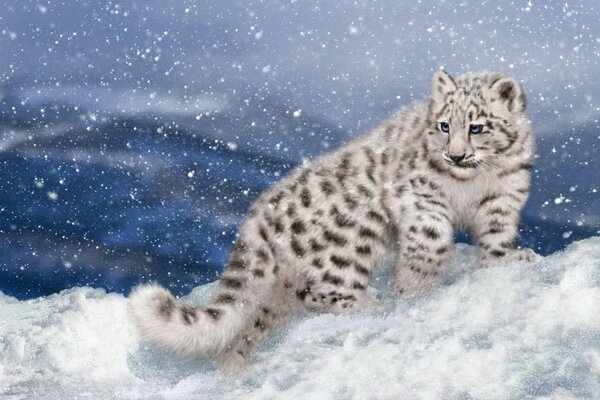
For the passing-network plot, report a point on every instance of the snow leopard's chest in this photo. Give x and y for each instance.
(464, 198)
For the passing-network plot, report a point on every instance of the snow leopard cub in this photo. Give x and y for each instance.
(460, 159)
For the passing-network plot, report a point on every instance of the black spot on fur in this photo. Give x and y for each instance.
(301, 294)
(225, 298)
(419, 206)
(361, 269)
(297, 247)
(425, 151)
(188, 314)
(238, 258)
(442, 250)
(335, 280)
(368, 233)
(260, 325)
(435, 166)
(507, 91)
(400, 190)
(494, 223)
(259, 273)
(262, 231)
(327, 187)
(363, 250)
(262, 255)
(305, 197)
(493, 231)
(316, 262)
(304, 177)
(375, 216)
(340, 262)
(436, 203)
(385, 157)
(357, 285)
(277, 198)
(351, 203)
(341, 220)
(364, 191)
(488, 198)
(214, 313)
(497, 253)
(166, 305)
(345, 163)
(240, 247)
(316, 246)
(231, 282)
(430, 232)
(237, 264)
(298, 227)
(334, 238)
(278, 225)
(291, 209)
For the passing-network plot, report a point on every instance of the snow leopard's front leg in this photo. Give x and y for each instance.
(495, 229)
(425, 243)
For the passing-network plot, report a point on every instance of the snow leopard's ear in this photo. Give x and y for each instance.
(442, 84)
(508, 93)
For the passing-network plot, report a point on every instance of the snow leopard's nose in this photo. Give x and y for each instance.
(457, 159)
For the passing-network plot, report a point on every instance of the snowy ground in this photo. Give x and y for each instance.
(524, 331)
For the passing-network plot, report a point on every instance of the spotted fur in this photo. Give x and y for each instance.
(314, 239)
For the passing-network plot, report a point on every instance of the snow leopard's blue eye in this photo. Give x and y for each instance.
(476, 129)
(444, 127)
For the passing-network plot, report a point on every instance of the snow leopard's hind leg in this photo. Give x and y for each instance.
(283, 302)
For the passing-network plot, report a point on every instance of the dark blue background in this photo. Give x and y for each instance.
(136, 135)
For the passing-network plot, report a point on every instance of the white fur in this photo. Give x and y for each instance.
(199, 339)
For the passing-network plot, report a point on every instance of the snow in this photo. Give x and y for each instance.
(525, 330)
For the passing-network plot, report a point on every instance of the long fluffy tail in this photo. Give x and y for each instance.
(194, 331)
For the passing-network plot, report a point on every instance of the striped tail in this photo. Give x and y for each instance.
(187, 330)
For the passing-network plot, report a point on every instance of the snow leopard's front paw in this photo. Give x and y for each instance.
(526, 255)
(517, 255)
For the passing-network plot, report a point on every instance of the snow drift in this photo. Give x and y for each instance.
(526, 330)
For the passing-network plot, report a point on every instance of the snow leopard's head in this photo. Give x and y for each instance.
(477, 122)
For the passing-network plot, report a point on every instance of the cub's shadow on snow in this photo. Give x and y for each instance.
(156, 365)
